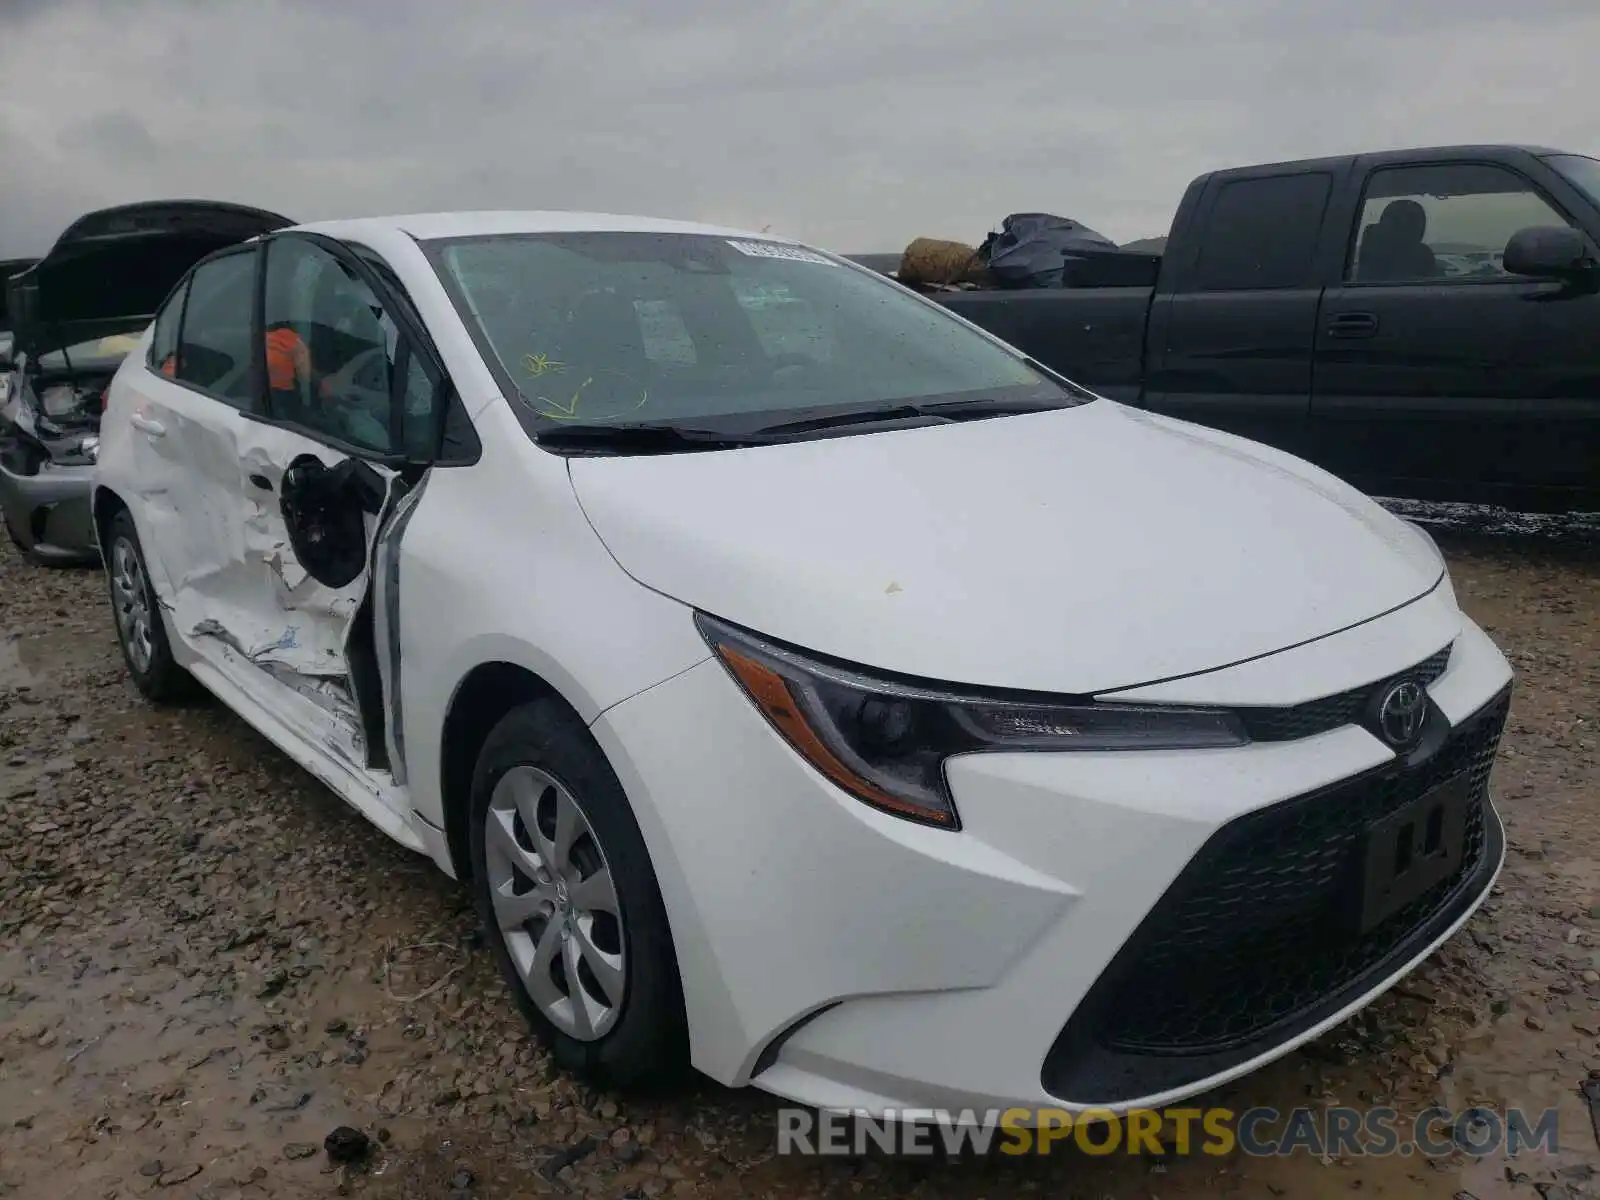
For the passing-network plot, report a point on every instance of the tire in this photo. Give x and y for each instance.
(15, 535)
(136, 613)
(541, 761)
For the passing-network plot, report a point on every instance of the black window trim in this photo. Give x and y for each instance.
(1353, 234)
(418, 342)
(229, 402)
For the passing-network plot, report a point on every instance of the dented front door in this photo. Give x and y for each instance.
(317, 489)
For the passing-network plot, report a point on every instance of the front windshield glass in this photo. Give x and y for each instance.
(103, 353)
(1583, 173)
(614, 328)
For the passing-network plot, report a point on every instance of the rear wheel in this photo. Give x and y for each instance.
(140, 630)
(568, 898)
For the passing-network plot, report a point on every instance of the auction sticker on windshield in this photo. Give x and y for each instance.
(775, 250)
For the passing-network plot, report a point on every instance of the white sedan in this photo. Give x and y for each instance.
(809, 687)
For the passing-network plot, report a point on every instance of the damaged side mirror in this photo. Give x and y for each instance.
(325, 510)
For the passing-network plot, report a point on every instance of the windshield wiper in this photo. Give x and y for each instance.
(961, 410)
(871, 416)
(642, 439)
(944, 410)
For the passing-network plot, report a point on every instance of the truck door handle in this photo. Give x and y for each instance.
(1353, 325)
(145, 425)
(261, 481)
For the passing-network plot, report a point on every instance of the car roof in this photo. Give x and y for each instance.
(427, 226)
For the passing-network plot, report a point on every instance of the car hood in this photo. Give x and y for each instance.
(111, 269)
(1077, 551)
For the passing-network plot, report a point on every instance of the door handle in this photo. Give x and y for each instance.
(1353, 325)
(148, 426)
(261, 481)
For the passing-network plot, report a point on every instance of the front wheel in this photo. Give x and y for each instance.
(140, 630)
(568, 897)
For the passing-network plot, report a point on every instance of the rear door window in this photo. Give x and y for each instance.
(214, 348)
(164, 337)
(1262, 233)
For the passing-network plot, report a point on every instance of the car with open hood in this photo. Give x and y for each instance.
(808, 686)
(74, 315)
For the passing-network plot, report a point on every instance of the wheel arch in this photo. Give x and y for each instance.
(105, 504)
(484, 695)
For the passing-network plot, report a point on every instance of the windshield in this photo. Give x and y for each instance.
(104, 353)
(1583, 173)
(616, 328)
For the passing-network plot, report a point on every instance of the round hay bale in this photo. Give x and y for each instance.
(930, 261)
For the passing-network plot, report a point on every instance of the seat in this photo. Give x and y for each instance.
(1392, 249)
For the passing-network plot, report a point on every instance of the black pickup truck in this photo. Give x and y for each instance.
(1423, 323)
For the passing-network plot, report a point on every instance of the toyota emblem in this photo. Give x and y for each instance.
(1401, 712)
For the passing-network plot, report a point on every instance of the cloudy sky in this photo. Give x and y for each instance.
(857, 124)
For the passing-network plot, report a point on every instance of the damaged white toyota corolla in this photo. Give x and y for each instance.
(811, 688)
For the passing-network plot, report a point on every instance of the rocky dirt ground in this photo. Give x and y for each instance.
(207, 964)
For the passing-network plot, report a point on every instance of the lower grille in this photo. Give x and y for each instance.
(1252, 943)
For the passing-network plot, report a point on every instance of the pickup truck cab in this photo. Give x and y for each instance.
(1422, 323)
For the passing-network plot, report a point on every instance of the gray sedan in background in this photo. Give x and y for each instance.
(74, 315)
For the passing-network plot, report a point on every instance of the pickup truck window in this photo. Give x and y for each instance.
(1450, 221)
(1262, 232)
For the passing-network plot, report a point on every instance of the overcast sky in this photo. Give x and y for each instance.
(857, 124)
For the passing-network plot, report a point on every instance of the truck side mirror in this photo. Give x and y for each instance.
(1549, 252)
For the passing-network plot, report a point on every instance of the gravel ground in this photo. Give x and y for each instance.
(207, 963)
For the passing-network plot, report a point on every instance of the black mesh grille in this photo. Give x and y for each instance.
(1330, 712)
(1252, 943)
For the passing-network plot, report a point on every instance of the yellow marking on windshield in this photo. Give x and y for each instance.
(538, 364)
(567, 410)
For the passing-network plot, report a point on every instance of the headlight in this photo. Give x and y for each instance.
(885, 742)
(90, 448)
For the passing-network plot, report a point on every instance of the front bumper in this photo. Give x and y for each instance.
(49, 510)
(1042, 957)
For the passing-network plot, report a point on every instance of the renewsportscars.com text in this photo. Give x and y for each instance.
(1257, 1132)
